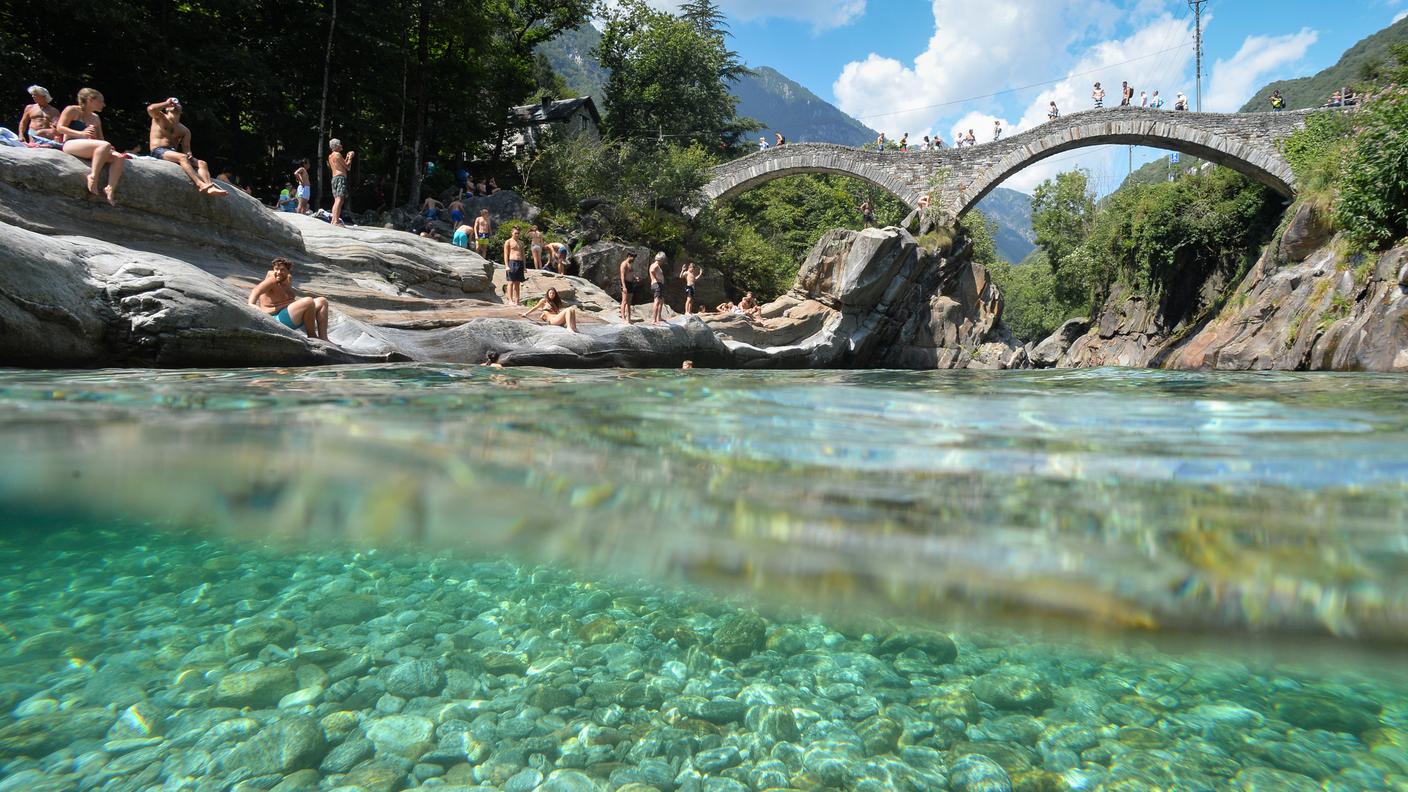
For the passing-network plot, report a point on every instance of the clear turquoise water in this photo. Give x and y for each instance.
(1244, 531)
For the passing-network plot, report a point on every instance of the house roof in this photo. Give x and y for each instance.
(555, 110)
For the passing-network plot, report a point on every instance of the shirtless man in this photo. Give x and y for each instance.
(38, 123)
(627, 279)
(275, 296)
(170, 140)
(431, 209)
(513, 262)
(657, 287)
(456, 212)
(559, 255)
(305, 186)
(691, 274)
(536, 240)
(482, 229)
(340, 165)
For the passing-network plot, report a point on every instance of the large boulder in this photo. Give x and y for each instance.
(1047, 353)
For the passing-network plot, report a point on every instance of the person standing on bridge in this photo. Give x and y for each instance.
(971, 139)
(1052, 113)
(1126, 94)
(781, 141)
(1143, 98)
(880, 142)
(762, 144)
(996, 130)
(1181, 103)
(1157, 102)
(1098, 96)
(904, 143)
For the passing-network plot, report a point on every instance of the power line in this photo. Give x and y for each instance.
(1023, 87)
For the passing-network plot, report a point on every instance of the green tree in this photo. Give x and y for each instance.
(1373, 201)
(1063, 209)
(670, 77)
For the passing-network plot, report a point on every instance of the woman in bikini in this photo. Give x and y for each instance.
(554, 312)
(82, 132)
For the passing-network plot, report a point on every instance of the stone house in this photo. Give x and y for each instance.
(535, 122)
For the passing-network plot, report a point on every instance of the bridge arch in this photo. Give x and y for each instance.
(734, 178)
(1253, 156)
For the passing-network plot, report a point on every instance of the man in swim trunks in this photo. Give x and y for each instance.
(431, 209)
(691, 273)
(275, 296)
(558, 252)
(513, 262)
(340, 166)
(456, 212)
(170, 140)
(461, 237)
(536, 242)
(305, 186)
(627, 279)
(657, 287)
(483, 227)
(38, 121)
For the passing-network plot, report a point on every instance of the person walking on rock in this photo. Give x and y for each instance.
(170, 140)
(82, 133)
(627, 279)
(340, 165)
(657, 287)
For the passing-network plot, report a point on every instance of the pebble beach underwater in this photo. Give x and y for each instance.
(452, 578)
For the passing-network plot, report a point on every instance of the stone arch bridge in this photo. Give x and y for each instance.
(958, 178)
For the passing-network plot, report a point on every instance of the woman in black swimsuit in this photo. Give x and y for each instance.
(82, 133)
(554, 312)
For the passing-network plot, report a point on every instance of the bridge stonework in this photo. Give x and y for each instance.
(957, 178)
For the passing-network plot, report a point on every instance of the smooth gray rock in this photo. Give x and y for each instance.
(1049, 351)
(285, 746)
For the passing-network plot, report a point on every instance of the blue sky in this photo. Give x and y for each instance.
(929, 66)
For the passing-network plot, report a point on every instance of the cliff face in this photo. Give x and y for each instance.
(1304, 305)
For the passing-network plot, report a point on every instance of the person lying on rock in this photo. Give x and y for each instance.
(554, 312)
(750, 308)
(82, 133)
(171, 141)
(275, 296)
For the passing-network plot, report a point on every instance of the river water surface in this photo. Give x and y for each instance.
(396, 577)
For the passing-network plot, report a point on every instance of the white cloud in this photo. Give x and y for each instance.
(982, 48)
(1235, 80)
(1399, 17)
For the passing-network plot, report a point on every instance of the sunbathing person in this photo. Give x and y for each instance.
(750, 308)
(170, 140)
(82, 132)
(554, 312)
(37, 123)
(275, 296)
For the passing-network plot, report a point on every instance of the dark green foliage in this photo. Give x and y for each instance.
(1369, 56)
(1162, 240)
(1316, 151)
(669, 78)
(762, 237)
(1063, 210)
(1373, 202)
(1031, 309)
(252, 93)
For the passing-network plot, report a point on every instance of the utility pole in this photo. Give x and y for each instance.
(1197, 8)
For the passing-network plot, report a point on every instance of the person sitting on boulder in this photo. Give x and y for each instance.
(554, 312)
(82, 133)
(170, 140)
(275, 296)
(431, 209)
(39, 120)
